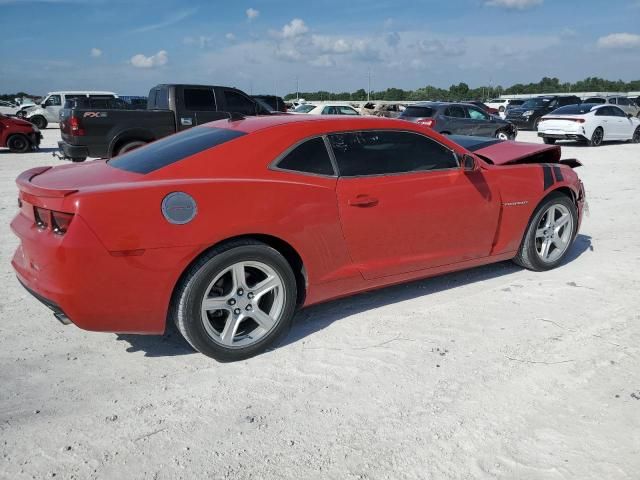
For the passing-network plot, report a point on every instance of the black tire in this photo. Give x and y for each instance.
(528, 256)
(596, 137)
(39, 121)
(127, 147)
(549, 141)
(186, 309)
(78, 159)
(18, 143)
(536, 123)
(636, 136)
(501, 109)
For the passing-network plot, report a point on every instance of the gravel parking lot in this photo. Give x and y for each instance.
(496, 372)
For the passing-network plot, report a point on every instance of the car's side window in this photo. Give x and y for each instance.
(455, 111)
(603, 112)
(199, 100)
(239, 103)
(617, 112)
(54, 101)
(308, 157)
(476, 114)
(623, 101)
(388, 152)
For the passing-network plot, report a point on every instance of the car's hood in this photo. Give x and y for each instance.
(18, 121)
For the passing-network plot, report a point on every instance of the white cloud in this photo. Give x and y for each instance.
(158, 60)
(252, 13)
(230, 36)
(513, 4)
(294, 28)
(619, 40)
(95, 52)
(177, 17)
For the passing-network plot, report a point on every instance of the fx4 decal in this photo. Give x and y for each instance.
(95, 114)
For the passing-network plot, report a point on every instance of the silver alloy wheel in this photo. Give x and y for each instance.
(554, 233)
(502, 135)
(243, 303)
(598, 135)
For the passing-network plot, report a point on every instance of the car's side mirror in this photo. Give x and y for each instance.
(629, 115)
(43, 105)
(469, 163)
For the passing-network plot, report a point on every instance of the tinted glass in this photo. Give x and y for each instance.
(568, 101)
(162, 98)
(53, 101)
(418, 112)
(383, 152)
(578, 109)
(199, 99)
(455, 111)
(623, 101)
(536, 103)
(595, 100)
(239, 103)
(617, 112)
(346, 111)
(310, 157)
(172, 149)
(605, 112)
(306, 108)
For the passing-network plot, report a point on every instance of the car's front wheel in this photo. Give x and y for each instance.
(18, 144)
(39, 121)
(636, 136)
(550, 234)
(236, 301)
(502, 135)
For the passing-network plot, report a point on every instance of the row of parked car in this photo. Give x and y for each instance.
(102, 124)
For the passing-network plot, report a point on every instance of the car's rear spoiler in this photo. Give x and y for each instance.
(24, 184)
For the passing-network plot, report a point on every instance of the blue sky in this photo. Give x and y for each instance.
(263, 46)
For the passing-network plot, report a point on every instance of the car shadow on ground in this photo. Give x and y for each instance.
(318, 317)
(39, 150)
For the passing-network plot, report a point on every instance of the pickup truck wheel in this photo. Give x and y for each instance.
(18, 144)
(39, 121)
(78, 159)
(549, 141)
(127, 147)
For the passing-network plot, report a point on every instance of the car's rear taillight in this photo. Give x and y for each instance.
(427, 122)
(41, 216)
(577, 120)
(75, 127)
(59, 221)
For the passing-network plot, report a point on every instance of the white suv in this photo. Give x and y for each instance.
(49, 110)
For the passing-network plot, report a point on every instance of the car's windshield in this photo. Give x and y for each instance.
(536, 102)
(578, 109)
(306, 108)
(264, 104)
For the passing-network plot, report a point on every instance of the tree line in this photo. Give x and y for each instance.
(462, 91)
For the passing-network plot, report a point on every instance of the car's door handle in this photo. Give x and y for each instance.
(363, 201)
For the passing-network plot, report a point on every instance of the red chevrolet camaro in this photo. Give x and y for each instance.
(226, 229)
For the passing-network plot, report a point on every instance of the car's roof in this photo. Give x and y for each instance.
(254, 124)
(80, 92)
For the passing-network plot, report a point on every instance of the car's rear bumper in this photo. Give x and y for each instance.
(80, 280)
(561, 135)
(73, 151)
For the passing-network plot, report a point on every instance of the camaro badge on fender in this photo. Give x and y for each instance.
(179, 208)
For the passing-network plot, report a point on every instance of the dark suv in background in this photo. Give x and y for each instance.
(276, 103)
(459, 119)
(527, 115)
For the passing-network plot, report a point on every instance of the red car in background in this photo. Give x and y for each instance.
(18, 135)
(227, 228)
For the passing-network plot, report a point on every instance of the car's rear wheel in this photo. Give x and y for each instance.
(549, 235)
(549, 141)
(636, 136)
(236, 301)
(18, 143)
(127, 147)
(39, 121)
(596, 137)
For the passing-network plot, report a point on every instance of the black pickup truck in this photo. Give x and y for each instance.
(107, 132)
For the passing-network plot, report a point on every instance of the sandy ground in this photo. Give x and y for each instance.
(494, 373)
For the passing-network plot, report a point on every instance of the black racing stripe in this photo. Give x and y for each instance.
(557, 172)
(548, 176)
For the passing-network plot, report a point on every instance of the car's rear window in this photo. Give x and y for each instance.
(172, 149)
(418, 112)
(578, 109)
